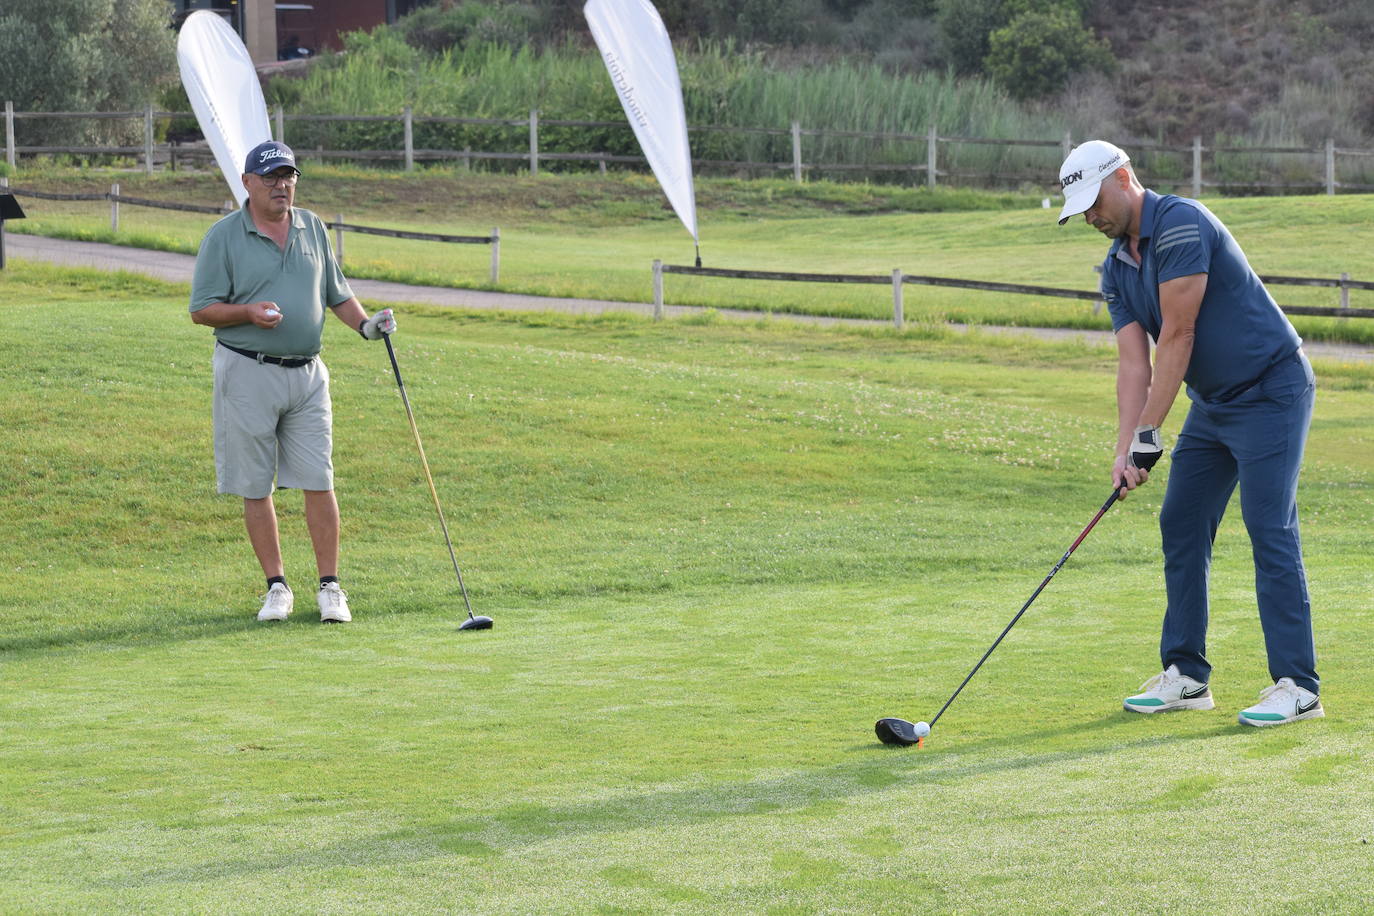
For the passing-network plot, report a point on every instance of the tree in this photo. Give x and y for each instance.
(1036, 53)
(964, 29)
(84, 55)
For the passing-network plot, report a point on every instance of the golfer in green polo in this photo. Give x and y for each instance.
(265, 277)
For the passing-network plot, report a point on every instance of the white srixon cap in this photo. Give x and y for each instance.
(1083, 171)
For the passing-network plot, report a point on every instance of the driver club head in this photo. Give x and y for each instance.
(897, 732)
(476, 623)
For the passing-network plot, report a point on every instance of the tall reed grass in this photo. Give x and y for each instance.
(725, 86)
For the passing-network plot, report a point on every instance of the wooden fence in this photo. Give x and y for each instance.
(928, 158)
(898, 280)
(339, 226)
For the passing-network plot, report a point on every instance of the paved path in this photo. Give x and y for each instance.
(178, 267)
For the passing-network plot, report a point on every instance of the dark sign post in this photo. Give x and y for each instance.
(9, 209)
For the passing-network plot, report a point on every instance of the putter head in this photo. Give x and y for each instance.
(896, 732)
(476, 623)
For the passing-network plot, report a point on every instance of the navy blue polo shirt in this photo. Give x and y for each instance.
(1240, 330)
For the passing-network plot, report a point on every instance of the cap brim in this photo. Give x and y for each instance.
(1079, 201)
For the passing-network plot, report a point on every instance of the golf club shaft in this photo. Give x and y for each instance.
(434, 494)
(1111, 500)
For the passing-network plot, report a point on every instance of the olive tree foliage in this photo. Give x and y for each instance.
(1035, 54)
(1029, 47)
(84, 55)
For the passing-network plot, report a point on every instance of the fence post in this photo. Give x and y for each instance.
(1097, 281)
(1197, 167)
(410, 141)
(658, 290)
(148, 140)
(114, 207)
(280, 118)
(495, 255)
(1330, 165)
(1345, 291)
(534, 141)
(338, 239)
(931, 141)
(1067, 144)
(796, 152)
(9, 134)
(897, 312)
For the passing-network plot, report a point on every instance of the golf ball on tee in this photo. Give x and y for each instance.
(922, 729)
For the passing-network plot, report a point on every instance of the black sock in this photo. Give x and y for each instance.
(272, 580)
(325, 580)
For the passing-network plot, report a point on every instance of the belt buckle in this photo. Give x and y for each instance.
(261, 356)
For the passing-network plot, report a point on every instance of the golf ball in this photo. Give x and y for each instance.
(272, 313)
(922, 729)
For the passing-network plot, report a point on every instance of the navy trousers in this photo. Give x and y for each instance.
(1255, 439)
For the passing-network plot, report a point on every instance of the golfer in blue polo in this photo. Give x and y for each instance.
(1175, 275)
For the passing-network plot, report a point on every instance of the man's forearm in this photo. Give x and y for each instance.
(1171, 362)
(350, 312)
(1132, 391)
(223, 315)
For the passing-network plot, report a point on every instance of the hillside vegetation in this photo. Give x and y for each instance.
(1290, 71)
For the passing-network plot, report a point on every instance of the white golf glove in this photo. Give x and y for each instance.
(1145, 447)
(379, 325)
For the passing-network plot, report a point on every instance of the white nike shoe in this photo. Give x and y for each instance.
(277, 604)
(1284, 702)
(333, 604)
(1170, 690)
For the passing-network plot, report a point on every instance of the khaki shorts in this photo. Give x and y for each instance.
(271, 422)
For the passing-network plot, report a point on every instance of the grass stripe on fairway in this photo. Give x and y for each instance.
(715, 553)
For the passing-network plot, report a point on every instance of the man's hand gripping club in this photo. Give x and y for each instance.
(1133, 468)
(379, 325)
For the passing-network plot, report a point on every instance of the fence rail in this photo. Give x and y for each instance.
(338, 225)
(898, 279)
(1231, 168)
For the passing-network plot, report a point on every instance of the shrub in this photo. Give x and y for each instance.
(438, 27)
(84, 55)
(1034, 56)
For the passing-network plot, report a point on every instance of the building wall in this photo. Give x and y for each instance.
(267, 26)
(260, 29)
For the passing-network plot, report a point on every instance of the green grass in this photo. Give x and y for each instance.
(592, 237)
(715, 553)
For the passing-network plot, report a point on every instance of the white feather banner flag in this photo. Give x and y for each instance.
(639, 56)
(224, 91)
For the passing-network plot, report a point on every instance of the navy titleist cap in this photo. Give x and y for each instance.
(268, 156)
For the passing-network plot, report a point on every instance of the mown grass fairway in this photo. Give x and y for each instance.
(715, 554)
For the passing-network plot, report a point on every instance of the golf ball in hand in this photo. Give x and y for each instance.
(272, 313)
(922, 729)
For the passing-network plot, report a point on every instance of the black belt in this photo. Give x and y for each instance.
(285, 362)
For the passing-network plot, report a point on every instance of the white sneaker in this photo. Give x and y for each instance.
(277, 604)
(1284, 702)
(333, 604)
(1170, 690)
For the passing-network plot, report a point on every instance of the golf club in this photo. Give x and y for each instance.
(903, 733)
(472, 623)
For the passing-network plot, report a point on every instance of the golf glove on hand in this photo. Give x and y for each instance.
(1145, 447)
(379, 325)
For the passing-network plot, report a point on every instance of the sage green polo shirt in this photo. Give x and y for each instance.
(239, 264)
